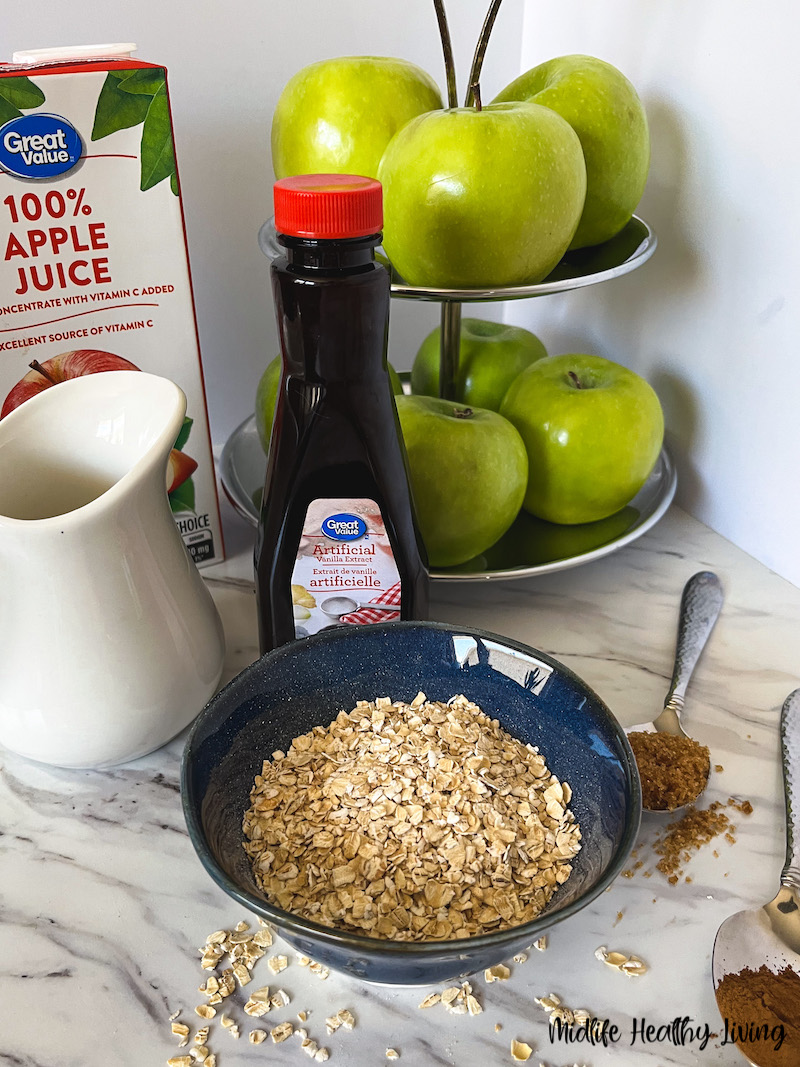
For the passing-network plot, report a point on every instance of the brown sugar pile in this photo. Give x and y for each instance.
(673, 769)
(761, 1010)
(693, 830)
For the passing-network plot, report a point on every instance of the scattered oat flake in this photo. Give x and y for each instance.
(205, 1011)
(633, 966)
(615, 959)
(201, 1036)
(520, 1051)
(227, 1021)
(498, 973)
(309, 1046)
(180, 1061)
(473, 1006)
(302, 1016)
(541, 943)
(180, 1029)
(257, 1008)
(346, 1018)
(199, 1053)
(321, 1055)
(332, 1024)
(430, 1000)
(175, 1015)
(255, 1037)
(303, 961)
(498, 1027)
(629, 965)
(281, 1032)
(277, 964)
(520, 957)
(392, 1054)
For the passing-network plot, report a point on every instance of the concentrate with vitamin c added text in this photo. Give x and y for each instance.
(94, 274)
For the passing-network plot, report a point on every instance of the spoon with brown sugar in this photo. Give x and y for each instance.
(756, 961)
(673, 767)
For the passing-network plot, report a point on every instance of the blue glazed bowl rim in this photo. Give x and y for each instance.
(409, 950)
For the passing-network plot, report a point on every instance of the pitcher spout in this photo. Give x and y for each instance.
(62, 450)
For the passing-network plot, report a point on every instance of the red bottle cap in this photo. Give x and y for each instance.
(328, 206)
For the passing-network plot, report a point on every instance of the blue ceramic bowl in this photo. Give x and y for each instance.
(306, 683)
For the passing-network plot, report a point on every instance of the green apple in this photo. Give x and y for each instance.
(481, 198)
(605, 111)
(337, 116)
(491, 355)
(468, 472)
(266, 399)
(267, 396)
(593, 431)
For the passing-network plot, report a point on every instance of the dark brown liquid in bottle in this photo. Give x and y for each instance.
(336, 432)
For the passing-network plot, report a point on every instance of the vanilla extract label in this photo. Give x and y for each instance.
(345, 571)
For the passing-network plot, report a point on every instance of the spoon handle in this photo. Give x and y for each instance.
(700, 607)
(790, 750)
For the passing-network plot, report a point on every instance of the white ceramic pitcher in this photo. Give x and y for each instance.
(110, 642)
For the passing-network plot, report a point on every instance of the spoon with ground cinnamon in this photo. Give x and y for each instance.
(756, 961)
(673, 767)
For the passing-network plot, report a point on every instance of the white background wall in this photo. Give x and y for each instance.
(712, 320)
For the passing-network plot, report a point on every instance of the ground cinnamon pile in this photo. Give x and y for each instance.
(761, 1010)
(693, 830)
(673, 769)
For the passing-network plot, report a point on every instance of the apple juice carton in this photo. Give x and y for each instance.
(94, 273)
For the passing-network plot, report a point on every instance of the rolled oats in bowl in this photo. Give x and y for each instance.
(410, 822)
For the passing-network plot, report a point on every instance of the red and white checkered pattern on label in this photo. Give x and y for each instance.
(365, 614)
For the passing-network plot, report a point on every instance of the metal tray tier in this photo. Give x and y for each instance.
(631, 248)
(529, 548)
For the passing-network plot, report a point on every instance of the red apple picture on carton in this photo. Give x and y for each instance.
(82, 361)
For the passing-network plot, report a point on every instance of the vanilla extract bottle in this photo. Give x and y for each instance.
(337, 539)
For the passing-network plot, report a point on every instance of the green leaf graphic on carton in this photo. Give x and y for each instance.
(117, 110)
(183, 435)
(143, 82)
(158, 154)
(182, 499)
(18, 95)
(140, 96)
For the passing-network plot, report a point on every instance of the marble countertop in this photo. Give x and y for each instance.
(103, 903)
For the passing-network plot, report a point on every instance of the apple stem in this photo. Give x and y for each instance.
(447, 49)
(463, 413)
(473, 92)
(574, 379)
(36, 365)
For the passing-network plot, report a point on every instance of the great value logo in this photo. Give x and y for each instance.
(344, 527)
(39, 146)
